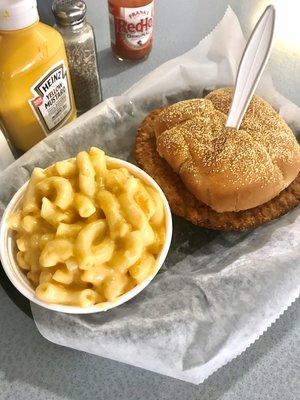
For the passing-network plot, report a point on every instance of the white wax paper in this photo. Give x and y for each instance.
(217, 292)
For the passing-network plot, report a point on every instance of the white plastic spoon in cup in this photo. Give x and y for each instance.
(251, 67)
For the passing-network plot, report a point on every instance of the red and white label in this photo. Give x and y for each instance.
(133, 25)
(38, 101)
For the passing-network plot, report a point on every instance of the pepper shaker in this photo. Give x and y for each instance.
(79, 39)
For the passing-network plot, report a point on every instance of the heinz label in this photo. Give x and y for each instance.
(51, 102)
(134, 26)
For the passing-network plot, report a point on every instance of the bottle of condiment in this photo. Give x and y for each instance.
(35, 90)
(131, 28)
(80, 45)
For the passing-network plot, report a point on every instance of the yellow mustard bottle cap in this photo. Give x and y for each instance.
(17, 14)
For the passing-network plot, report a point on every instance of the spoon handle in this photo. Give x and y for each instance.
(252, 65)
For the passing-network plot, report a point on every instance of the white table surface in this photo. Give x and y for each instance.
(32, 368)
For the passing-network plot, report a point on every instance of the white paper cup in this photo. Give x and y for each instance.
(19, 279)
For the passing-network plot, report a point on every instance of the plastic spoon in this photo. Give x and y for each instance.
(252, 65)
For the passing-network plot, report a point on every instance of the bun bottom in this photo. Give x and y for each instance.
(186, 205)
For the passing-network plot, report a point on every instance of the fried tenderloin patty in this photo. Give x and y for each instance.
(184, 204)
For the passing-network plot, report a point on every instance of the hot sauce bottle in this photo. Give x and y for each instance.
(131, 28)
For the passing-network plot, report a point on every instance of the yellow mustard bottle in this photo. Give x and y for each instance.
(36, 96)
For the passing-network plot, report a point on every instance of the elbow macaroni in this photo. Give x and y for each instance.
(87, 231)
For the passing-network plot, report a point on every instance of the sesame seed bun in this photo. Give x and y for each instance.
(184, 204)
(225, 168)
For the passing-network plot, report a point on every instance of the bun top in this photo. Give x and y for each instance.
(228, 169)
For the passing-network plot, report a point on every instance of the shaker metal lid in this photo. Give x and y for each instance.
(69, 12)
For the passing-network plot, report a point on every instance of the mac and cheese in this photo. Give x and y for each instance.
(88, 231)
